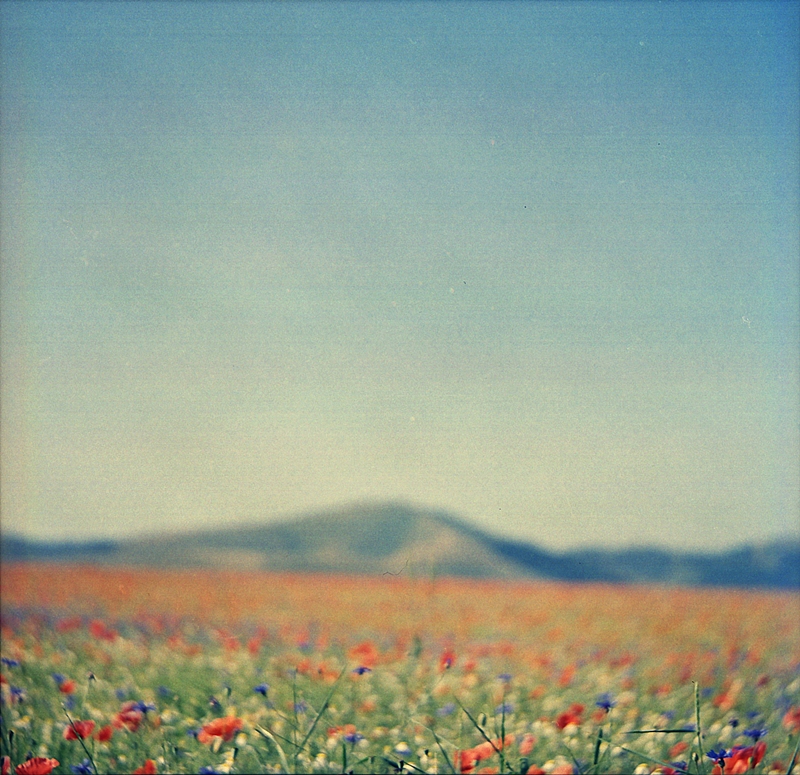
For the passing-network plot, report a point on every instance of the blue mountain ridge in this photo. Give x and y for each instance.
(361, 539)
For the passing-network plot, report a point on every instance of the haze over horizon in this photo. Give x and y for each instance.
(536, 264)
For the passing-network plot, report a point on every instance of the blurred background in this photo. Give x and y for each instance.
(532, 263)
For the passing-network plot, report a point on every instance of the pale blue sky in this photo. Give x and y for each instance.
(536, 263)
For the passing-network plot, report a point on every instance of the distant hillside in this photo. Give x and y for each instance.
(397, 538)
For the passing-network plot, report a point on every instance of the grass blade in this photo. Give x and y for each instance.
(269, 736)
(321, 711)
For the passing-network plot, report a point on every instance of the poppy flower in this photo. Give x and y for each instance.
(104, 734)
(740, 760)
(79, 729)
(791, 720)
(447, 660)
(466, 760)
(365, 654)
(38, 765)
(678, 749)
(98, 629)
(571, 716)
(5, 765)
(148, 768)
(65, 685)
(225, 728)
(129, 716)
(526, 744)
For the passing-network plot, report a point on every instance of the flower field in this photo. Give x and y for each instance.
(133, 670)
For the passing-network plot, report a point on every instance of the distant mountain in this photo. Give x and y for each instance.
(394, 538)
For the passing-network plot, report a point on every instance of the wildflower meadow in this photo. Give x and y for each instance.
(108, 670)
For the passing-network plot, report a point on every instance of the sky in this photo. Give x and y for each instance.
(536, 264)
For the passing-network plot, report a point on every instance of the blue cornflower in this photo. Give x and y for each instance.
(446, 710)
(606, 701)
(505, 677)
(300, 707)
(756, 733)
(121, 694)
(164, 691)
(506, 707)
(207, 771)
(682, 767)
(353, 737)
(84, 768)
(734, 722)
(360, 670)
(718, 756)
(17, 694)
(8, 662)
(261, 689)
(69, 703)
(59, 678)
(144, 707)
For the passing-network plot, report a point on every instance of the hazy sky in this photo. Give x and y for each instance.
(536, 263)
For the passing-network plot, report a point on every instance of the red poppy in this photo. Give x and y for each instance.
(38, 765)
(67, 687)
(742, 759)
(466, 760)
(104, 734)
(678, 749)
(571, 716)
(567, 674)
(527, 743)
(791, 721)
(225, 728)
(5, 765)
(365, 654)
(98, 630)
(148, 768)
(79, 729)
(129, 717)
(447, 660)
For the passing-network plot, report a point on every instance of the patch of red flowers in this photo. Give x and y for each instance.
(38, 765)
(148, 768)
(572, 716)
(364, 654)
(225, 728)
(79, 729)
(128, 717)
(99, 630)
(105, 733)
(741, 759)
(791, 720)
(447, 660)
(465, 761)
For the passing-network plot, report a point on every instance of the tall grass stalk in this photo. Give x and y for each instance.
(80, 740)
